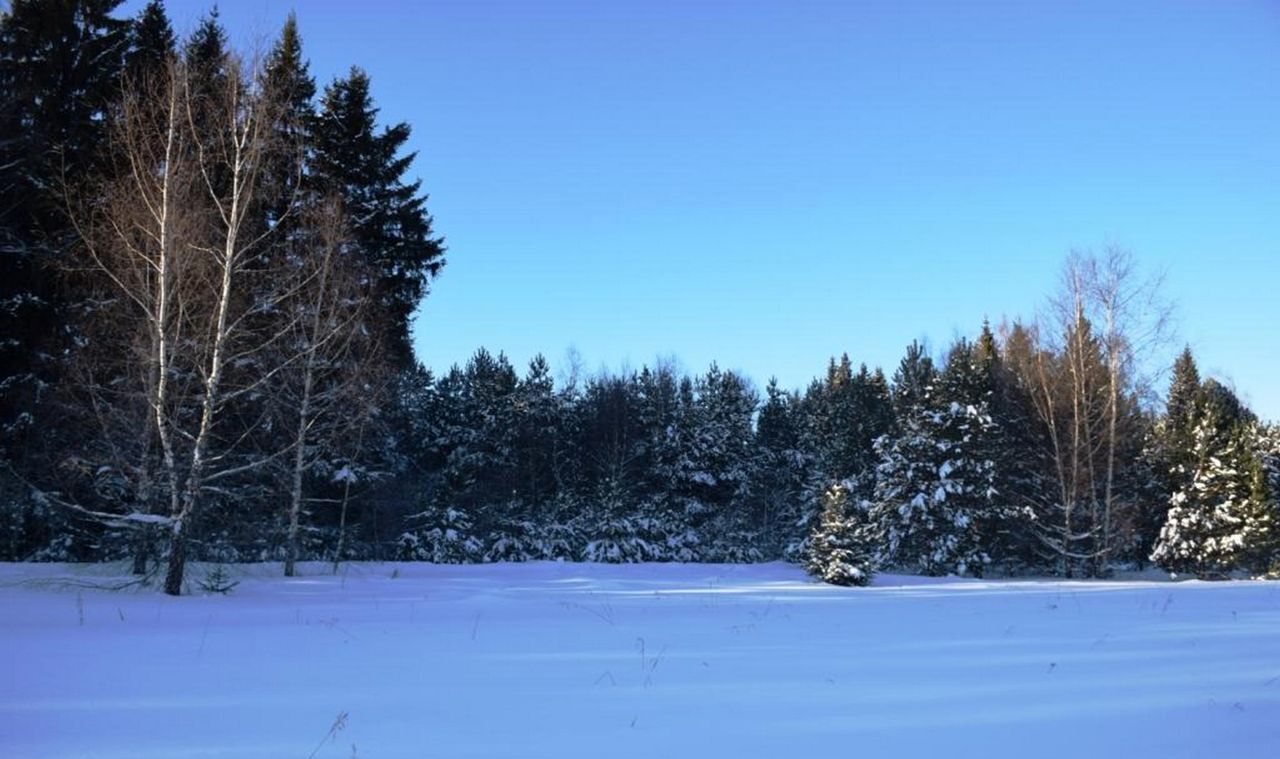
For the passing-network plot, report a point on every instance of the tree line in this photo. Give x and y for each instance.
(210, 271)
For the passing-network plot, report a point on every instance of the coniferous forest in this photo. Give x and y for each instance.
(210, 265)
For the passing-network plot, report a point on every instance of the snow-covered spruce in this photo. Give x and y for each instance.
(935, 497)
(446, 536)
(1227, 517)
(843, 547)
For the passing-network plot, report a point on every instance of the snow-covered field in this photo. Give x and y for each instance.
(563, 660)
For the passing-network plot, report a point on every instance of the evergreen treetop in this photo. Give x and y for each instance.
(151, 43)
(390, 224)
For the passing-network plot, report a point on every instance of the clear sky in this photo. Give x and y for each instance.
(767, 184)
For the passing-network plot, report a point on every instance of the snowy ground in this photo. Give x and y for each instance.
(555, 660)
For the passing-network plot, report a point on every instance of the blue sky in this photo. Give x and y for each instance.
(768, 184)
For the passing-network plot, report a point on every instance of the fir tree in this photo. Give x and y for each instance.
(1223, 520)
(60, 63)
(782, 467)
(287, 77)
(205, 52)
(1018, 451)
(151, 44)
(538, 438)
(935, 495)
(658, 415)
(913, 380)
(391, 227)
(842, 549)
(1184, 399)
(846, 414)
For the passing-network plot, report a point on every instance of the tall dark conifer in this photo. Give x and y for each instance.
(287, 77)
(912, 380)
(366, 167)
(935, 495)
(151, 43)
(1018, 449)
(206, 56)
(1182, 409)
(1184, 391)
(781, 469)
(206, 50)
(847, 413)
(60, 62)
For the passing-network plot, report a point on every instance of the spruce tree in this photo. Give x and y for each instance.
(60, 63)
(205, 51)
(1184, 395)
(935, 495)
(1019, 451)
(1175, 433)
(206, 58)
(538, 438)
(782, 467)
(843, 546)
(913, 379)
(391, 227)
(151, 44)
(846, 414)
(287, 77)
(723, 451)
(1222, 520)
(1260, 528)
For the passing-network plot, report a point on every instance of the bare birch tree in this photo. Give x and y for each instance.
(321, 394)
(178, 239)
(1086, 384)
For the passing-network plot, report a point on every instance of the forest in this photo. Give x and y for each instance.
(210, 266)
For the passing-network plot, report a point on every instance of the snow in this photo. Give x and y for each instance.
(578, 660)
(142, 518)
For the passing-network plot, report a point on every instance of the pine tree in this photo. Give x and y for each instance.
(480, 473)
(842, 549)
(391, 226)
(441, 535)
(658, 416)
